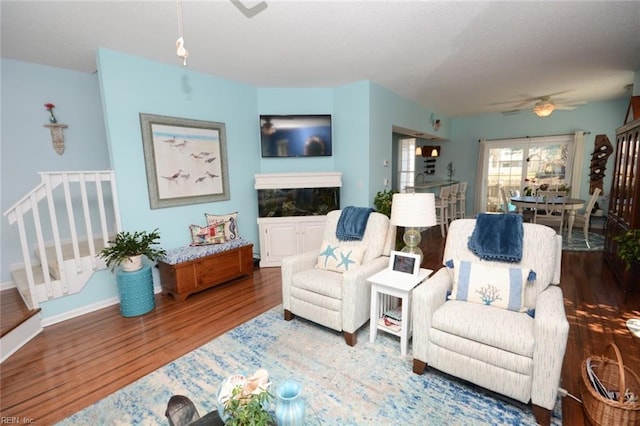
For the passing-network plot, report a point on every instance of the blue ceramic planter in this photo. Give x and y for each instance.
(136, 291)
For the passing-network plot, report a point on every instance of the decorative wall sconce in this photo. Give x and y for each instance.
(57, 136)
(435, 122)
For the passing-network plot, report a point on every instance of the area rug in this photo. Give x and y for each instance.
(577, 243)
(369, 384)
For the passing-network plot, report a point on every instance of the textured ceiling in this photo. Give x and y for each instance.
(457, 58)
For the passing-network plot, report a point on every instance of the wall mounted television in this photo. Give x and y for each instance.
(295, 135)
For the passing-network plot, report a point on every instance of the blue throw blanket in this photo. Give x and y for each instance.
(352, 223)
(497, 237)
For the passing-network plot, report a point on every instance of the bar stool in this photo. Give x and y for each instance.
(442, 209)
(462, 200)
(453, 201)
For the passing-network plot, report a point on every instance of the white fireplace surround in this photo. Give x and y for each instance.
(298, 180)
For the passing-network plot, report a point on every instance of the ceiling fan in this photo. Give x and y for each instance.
(542, 106)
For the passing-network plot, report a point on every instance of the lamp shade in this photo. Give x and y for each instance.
(413, 210)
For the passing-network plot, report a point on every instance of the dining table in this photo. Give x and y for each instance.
(570, 206)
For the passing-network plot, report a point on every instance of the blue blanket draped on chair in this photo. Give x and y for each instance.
(497, 237)
(352, 223)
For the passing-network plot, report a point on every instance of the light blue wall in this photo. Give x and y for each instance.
(597, 118)
(25, 145)
(132, 85)
(388, 110)
(353, 150)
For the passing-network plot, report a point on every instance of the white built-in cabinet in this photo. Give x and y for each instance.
(287, 235)
(284, 236)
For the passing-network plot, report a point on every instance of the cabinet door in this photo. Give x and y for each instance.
(311, 235)
(281, 241)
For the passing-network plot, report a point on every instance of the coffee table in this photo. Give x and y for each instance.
(392, 289)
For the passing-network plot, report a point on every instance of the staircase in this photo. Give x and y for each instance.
(62, 225)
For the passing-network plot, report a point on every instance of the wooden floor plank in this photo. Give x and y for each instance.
(75, 363)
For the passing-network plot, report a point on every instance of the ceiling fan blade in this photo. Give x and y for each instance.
(520, 103)
(513, 111)
(569, 106)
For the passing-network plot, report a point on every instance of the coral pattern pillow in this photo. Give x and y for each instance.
(230, 223)
(210, 234)
(498, 287)
(340, 258)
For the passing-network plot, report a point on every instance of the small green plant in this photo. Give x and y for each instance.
(127, 245)
(629, 246)
(383, 200)
(248, 410)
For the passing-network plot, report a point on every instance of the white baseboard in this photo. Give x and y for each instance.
(19, 336)
(79, 311)
(86, 309)
(7, 285)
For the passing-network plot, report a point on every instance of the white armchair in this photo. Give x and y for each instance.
(508, 352)
(338, 300)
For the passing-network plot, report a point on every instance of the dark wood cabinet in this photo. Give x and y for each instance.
(624, 208)
(185, 278)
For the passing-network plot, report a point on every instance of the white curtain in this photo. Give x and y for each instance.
(480, 184)
(578, 154)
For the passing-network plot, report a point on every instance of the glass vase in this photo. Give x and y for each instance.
(290, 407)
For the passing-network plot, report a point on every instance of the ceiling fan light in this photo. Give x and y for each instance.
(544, 109)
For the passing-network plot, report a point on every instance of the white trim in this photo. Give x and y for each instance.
(298, 180)
(20, 336)
(87, 309)
(8, 285)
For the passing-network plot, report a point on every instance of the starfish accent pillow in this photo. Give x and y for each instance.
(340, 258)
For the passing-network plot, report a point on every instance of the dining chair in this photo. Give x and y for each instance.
(442, 209)
(549, 208)
(505, 200)
(585, 217)
(453, 201)
(462, 200)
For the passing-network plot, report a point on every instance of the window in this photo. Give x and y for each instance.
(406, 163)
(522, 165)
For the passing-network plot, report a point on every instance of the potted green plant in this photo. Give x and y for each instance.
(629, 247)
(382, 201)
(127, 249)
(248, 410)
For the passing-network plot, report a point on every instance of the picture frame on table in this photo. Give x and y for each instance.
(185, 160)
(406, 263)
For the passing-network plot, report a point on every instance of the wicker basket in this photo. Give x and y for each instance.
(614, 376)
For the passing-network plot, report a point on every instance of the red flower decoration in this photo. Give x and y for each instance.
(49, 106)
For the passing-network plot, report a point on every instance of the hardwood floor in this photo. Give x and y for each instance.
(75, 363)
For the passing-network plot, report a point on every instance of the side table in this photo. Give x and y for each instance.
(136, 291)
(389, 290)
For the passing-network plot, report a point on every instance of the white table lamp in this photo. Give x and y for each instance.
(413, 211)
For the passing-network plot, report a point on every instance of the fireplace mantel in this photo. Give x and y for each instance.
(298, 180)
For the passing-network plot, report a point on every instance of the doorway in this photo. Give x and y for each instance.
(521, 166)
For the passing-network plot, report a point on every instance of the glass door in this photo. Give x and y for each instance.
(522, 166)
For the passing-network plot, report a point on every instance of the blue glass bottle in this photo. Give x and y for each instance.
(290, 407)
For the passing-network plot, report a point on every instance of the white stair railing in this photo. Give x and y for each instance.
(89, 201)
